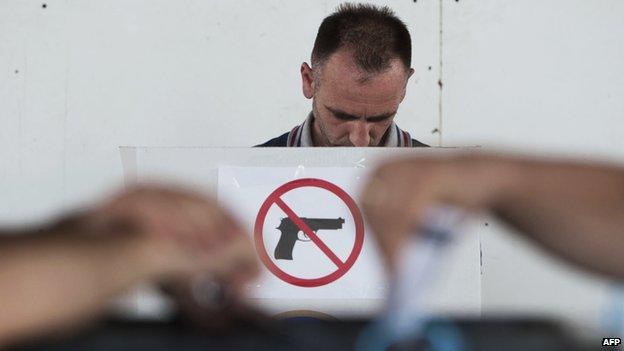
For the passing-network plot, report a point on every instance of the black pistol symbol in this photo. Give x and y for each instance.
(290, 231)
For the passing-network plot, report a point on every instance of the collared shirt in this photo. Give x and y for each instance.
(301, 136)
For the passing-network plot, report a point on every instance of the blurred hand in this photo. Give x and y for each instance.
(181, 234)
(400, 192)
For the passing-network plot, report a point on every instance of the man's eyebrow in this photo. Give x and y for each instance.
(348, 117)
(382, 117)
(342, 115)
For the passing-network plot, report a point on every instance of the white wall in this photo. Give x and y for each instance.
(94, 75)
(80, 78)
(544, 77)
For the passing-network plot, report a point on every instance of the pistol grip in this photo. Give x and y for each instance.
(285, 246)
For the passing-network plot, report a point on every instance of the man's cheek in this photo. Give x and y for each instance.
(339, 131)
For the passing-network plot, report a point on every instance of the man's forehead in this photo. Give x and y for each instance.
(359, 104)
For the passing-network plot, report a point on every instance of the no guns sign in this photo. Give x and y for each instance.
(308, 233)
(291, 225)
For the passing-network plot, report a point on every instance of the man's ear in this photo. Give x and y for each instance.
(307, 80)
(409, 74)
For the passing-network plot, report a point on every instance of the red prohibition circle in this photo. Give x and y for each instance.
(274, 197)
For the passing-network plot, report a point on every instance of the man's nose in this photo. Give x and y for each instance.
(360, 134)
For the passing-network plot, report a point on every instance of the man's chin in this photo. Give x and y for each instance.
(348, 143)
(351, 145)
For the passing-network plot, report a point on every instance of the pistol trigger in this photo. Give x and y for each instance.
(303, 237)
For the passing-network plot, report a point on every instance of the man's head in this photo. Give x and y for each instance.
(360, 67)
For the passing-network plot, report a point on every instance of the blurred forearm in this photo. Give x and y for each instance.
(572, 209)
(52, 280)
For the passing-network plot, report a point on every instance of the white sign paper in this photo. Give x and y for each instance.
(331, 265)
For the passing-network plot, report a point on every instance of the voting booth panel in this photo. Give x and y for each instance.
(300, 207)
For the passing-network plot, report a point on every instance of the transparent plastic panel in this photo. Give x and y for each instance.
(322, 186)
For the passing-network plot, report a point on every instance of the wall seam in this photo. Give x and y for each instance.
(440, 71)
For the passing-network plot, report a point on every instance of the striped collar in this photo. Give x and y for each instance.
(301, 135)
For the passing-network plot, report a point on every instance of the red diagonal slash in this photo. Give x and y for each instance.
(315, 239)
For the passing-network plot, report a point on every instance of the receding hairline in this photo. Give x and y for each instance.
(363, 76)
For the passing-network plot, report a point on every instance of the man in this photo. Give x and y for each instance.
(360, 68)
(572, 209)
(54, 278)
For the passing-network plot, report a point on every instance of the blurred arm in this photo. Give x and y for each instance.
(56, 279)
(572, 209)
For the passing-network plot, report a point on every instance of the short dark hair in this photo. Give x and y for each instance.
(375, 34)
